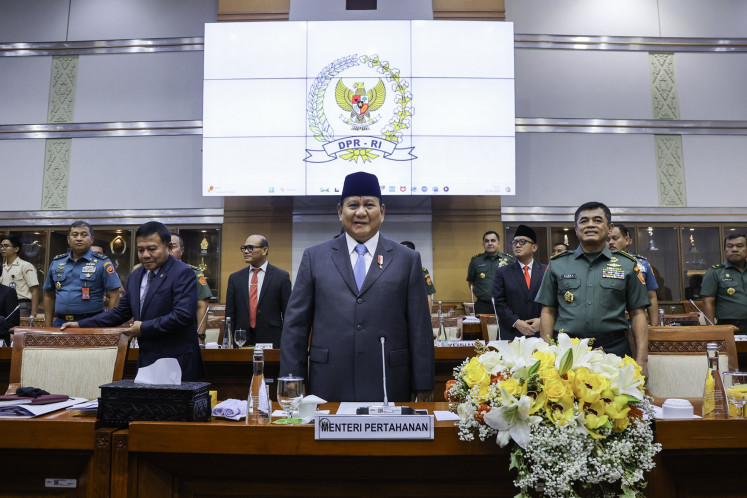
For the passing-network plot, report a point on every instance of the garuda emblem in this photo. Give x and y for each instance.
(360, 103)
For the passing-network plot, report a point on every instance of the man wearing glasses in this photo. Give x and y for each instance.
(257, 295)
(516, 285)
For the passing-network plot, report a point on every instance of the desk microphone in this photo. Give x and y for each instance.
(386, 408)
(497, 322)
(700, 311)
(14, 310)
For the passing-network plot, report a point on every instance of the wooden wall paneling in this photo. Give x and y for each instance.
(474, 10)
(253, 10)
(458, 225)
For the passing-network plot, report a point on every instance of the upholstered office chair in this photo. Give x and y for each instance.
(677, 361)
(73, 362)
(489, 326)
(216, 328)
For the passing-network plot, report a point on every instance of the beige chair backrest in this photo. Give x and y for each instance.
(489, 326)
(469, 308)
(677, 361)
(73, 362)
(215, 329)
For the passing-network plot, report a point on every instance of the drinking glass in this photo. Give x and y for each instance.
(290, 394)
(239, 337)
(735, 384)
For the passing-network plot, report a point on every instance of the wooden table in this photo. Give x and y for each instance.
(225, 458)
(700, 458)
(56, 446)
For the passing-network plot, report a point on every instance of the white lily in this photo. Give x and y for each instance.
(518, 353)
(626, 383)
(512, 419)
(606, 364)
(582, 357)
(491, 362)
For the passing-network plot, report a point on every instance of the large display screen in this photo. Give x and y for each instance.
(290, 108)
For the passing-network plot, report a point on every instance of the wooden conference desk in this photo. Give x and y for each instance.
(225, 458)
(55, 446)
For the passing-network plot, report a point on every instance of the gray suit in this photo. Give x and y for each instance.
(345, 353)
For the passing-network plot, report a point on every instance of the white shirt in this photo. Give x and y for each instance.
(370, 249)
(260, 278)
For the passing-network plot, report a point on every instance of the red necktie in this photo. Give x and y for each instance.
(253, 298)
(527, 277)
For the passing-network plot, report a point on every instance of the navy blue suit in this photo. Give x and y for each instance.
(344, 358)
(168, 317)
(513, 300)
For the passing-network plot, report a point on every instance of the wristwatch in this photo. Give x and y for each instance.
(202, 336)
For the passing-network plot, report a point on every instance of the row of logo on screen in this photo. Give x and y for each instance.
(384, 188)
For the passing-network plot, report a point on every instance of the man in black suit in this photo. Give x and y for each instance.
(258, 294)
(161, 296)
(9, 315)
(516, 285)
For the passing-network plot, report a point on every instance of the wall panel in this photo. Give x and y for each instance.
(582, 84)
(715, 170)
(125, 19)
(712, 86)
(22, 163)
(137, 173)
(24, 89)
(139, 87)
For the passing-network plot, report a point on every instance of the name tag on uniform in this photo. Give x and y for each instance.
(482, 264)
(568, 275)
(89, 269)
(725, 279)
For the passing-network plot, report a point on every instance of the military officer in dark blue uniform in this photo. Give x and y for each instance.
(78, 280)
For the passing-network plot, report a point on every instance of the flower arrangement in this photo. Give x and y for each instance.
(573, 415)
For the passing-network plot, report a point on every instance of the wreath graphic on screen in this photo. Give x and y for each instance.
(359, 103)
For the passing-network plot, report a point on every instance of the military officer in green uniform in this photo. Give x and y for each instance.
(724, 287)
(481, 271)
(585, 292)
(78, 280)
(203, 289)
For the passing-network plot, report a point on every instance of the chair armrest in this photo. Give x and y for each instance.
(12, 388)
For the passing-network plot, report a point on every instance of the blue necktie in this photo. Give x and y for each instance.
(359, 270)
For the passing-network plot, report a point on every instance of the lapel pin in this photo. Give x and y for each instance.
(381, 261)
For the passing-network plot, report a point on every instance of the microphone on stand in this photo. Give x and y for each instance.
(386, 408)
(497, 322)
(700, 311)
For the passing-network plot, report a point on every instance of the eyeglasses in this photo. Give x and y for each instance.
(6, 246)
(250, 248)
(521, 242)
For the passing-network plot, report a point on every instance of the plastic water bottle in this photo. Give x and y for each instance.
(714, 396)
(258, 402)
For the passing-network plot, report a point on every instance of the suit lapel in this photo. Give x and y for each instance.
(537, 274)
(341, 260)
(382, 258)
(269, 273)
(138, 276)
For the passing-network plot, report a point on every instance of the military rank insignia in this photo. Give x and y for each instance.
(731, 291)
(568, 296)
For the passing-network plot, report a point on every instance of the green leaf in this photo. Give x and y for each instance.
(535, 368)
(566, 362)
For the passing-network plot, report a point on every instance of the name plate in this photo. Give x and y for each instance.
(340, 427)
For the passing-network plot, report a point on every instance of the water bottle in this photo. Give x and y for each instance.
(227, 337)
(661, 317)
(714, 396)
(258, 402)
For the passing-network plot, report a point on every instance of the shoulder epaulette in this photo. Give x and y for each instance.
(101, 256)
(564, 253)
(627, 255)
(720, 265)
(425, 269)
(194, 268)
(477, 255)
(60, 256)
